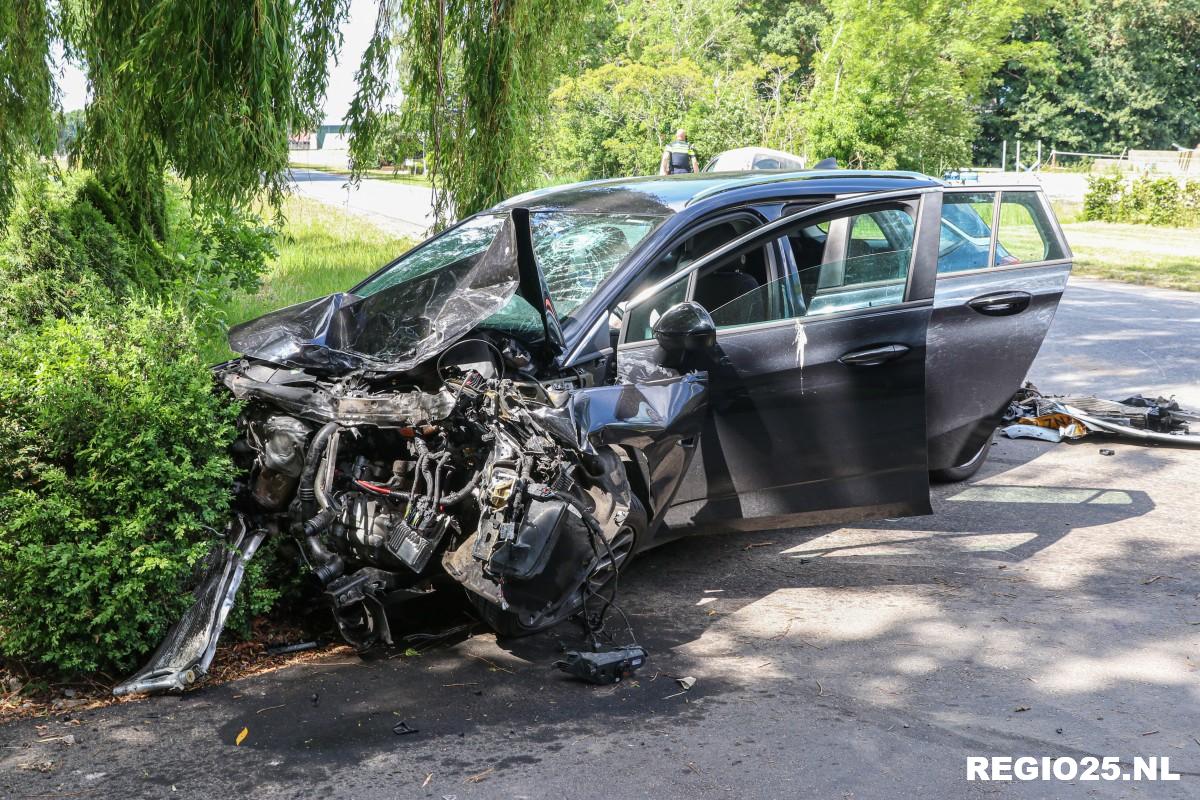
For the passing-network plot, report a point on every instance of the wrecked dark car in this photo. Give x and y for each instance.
(524, 402)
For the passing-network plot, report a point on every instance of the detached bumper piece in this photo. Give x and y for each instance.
(186, 653)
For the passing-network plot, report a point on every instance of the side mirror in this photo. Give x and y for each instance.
(685, 327)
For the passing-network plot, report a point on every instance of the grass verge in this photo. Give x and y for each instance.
(1141, 254)
(322, 250)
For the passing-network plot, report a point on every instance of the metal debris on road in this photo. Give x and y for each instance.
(1053, 418)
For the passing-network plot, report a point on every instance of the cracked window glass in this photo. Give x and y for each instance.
(577, 251)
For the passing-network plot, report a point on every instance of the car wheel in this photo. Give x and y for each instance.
(965, 470)
(508, 625)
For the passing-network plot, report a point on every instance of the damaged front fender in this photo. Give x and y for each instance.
(187, 651)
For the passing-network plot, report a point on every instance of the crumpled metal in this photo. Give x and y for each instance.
(187, 651)
(393, 329)
(1075, 417)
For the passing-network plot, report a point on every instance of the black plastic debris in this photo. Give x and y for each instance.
(283, 648)
(1104, 451)
(402, 728)
(611, 666)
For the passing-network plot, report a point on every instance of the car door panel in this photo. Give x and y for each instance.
(797, 434)
(811, 419)
(987, 327)
(978, 359)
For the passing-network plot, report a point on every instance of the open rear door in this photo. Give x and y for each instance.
(1001, 270)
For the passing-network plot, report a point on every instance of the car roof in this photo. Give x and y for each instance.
(669, 194)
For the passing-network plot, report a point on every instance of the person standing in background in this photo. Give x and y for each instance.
(678, 157)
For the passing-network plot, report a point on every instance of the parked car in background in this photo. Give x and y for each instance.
(753, 158)
(524, 402)
(962, 175)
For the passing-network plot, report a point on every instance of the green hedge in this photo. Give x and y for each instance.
(1144, 200)
(114, 464)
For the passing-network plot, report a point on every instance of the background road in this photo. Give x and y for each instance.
(397, 207)
(1115, 339)
(1050, 607)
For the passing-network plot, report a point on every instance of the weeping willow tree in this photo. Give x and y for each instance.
(27, 95)
(475, 76)
(210, 91)
(207, 90)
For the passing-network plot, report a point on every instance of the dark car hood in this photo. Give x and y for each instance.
(403, 325)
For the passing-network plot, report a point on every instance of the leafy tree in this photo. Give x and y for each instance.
(26, 90)
(670, 30)
(209, 91)
(475, 75)
(897, 82)
(613, 120)
(788, 28)
(1100, 77)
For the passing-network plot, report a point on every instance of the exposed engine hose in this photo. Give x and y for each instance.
(312, 462)
(438, 468)
(326, 564)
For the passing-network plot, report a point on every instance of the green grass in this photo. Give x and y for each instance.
(322, 250)
(1142, 254)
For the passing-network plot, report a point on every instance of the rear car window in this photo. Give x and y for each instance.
(966, 231)
(1025, 233)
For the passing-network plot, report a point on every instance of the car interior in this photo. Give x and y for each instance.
(733, 279)
(840, 264)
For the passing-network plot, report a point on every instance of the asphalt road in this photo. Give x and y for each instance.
(1115, 339)
(397, 207)
(1048, 608)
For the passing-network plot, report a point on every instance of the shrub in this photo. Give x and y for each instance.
(62, 255)
(67, 248)
(1145, 200)
(114, 470)
(1100, 199)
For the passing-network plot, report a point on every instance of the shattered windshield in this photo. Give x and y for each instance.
(457, 248)
(404, 315)
(577, 251)
(438, 291)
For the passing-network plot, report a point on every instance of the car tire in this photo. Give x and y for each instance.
(966, 469)
(508, 625)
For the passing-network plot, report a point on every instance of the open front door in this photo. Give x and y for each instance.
(817, 381)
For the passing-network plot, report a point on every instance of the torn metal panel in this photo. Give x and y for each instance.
(187, 651)
(1032, 432)
(325, 401)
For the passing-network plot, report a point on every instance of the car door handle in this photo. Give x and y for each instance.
(1001, 304)
(874, 356)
